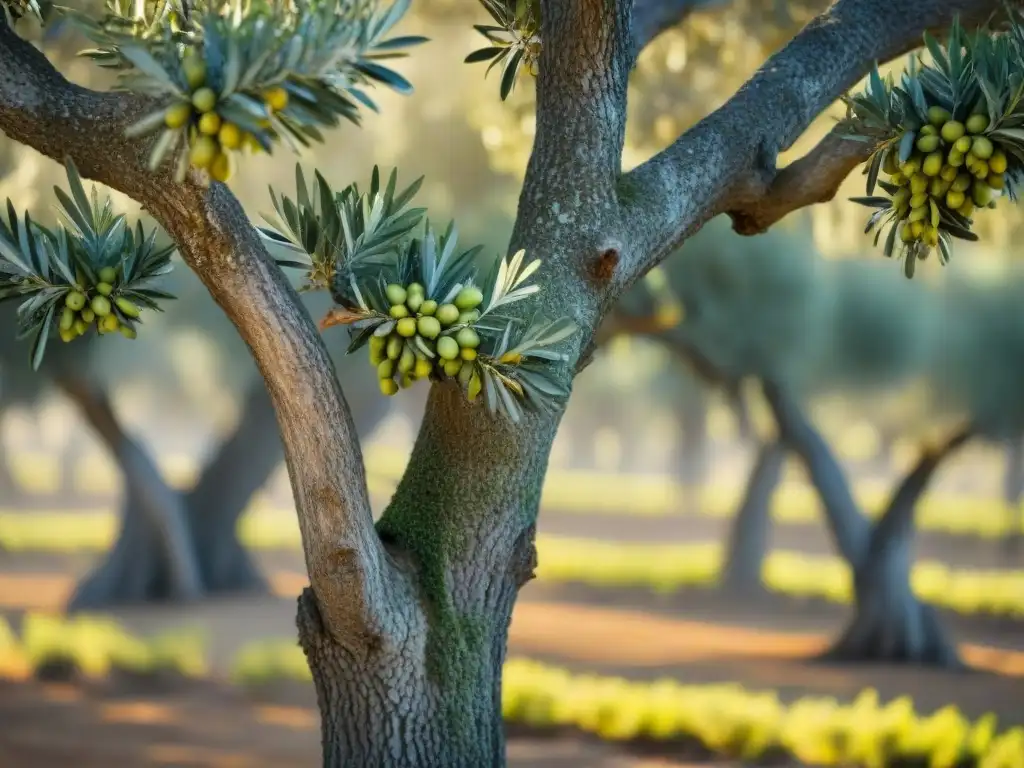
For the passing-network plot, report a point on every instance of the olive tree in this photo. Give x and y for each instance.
(405, 622)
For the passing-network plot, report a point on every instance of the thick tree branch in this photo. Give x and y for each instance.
(896, 523)
(814, 178)
(726, 163)
(348, 567)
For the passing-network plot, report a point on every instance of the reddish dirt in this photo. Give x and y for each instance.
(694, 637)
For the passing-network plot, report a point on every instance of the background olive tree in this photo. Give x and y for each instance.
(405, 623)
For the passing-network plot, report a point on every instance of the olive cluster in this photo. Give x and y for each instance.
(88, 304)
(954, 165)
(211, 138)
(428, 339)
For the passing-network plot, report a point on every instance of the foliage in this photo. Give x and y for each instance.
(92, 269)
(269, 661)
(425, 309)
(661, 568)
(514, 39)
(95, 645)
(950, 136)
(727, 720)
(246, 73)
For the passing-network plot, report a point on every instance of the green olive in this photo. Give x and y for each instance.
(108, 275)
(100, 305)
(67, 319)
(396, 293)
(104, 289)
(469, 297)
(467, 337)
(428, 307)
(447, 348)
(428, 327)
(448, 314)
(75, 300)
(394, 347)
(127, 307)
(407, 327)
(385, 369)
(388, 386)
(452, 367)
(398, 311)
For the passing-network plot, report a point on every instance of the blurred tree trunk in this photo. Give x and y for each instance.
(748, 536)
(1013, 491)
(890, 623)
(10, 489)
(138, 568)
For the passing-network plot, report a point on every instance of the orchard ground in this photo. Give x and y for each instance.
(693, 636)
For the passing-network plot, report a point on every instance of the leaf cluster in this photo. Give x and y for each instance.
(357, 245)
(325, 54)
(513, 40)
(970, 74)
(41, 266)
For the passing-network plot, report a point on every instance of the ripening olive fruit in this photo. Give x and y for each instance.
(467, 337)
(75, 300)
(927, 144)
(428, 307)
(981, 194)
(104, 288)
(955, 158)
(100, 305)
(87, 315)
(938, 187)
(919, 199)
(406, 361)
(911, 166)
(423, 368)
(209, 124)
(67, 319)
(127, 307)
(276, 98)
(452, 367)
(447, 348)
(195, 70)
(962, 182)
(475, 385)
(107, 275)
(907, 234)
(938, 116)
(954, 199)
(203, 152)
(177, 114)
(220, 168)
(917, 214)
(900, 197)
(967, 208)
(230, 136)
(388, 387)
(80, 327)
(67, 334)
(204, 100)
(398, 311)
(110, 323)
(916, 228)
(977, 123)
(448, 314)
(385, 369)
(128, 332)
(996, 180)
(414, 302)
(948, 173)
(396, 293)
(428, 327)
(466, 373)
(998, 162)
(963, 145)
(467, 353)
(932, 164)
(951, 131)
(416, 288)
(891, 164)
(469, 297)
(406, 327)
(394, 349)
(982, 148)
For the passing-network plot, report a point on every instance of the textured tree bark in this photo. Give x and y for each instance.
(890, 623)
(748, 536)
(387, 707)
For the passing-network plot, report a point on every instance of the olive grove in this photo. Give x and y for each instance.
(768, 308)
(405, 622)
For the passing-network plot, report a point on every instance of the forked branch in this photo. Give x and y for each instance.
(727, 162)
(348, 567)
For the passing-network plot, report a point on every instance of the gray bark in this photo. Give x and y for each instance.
(137, 570)
(1013, 491)
(890, 623)
(162, 507)
(748, 536)
(387, 707)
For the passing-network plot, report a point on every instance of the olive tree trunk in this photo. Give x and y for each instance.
(890, 623)
(138, 569)
(405, 624)
(747, 545)
(1013, 491)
